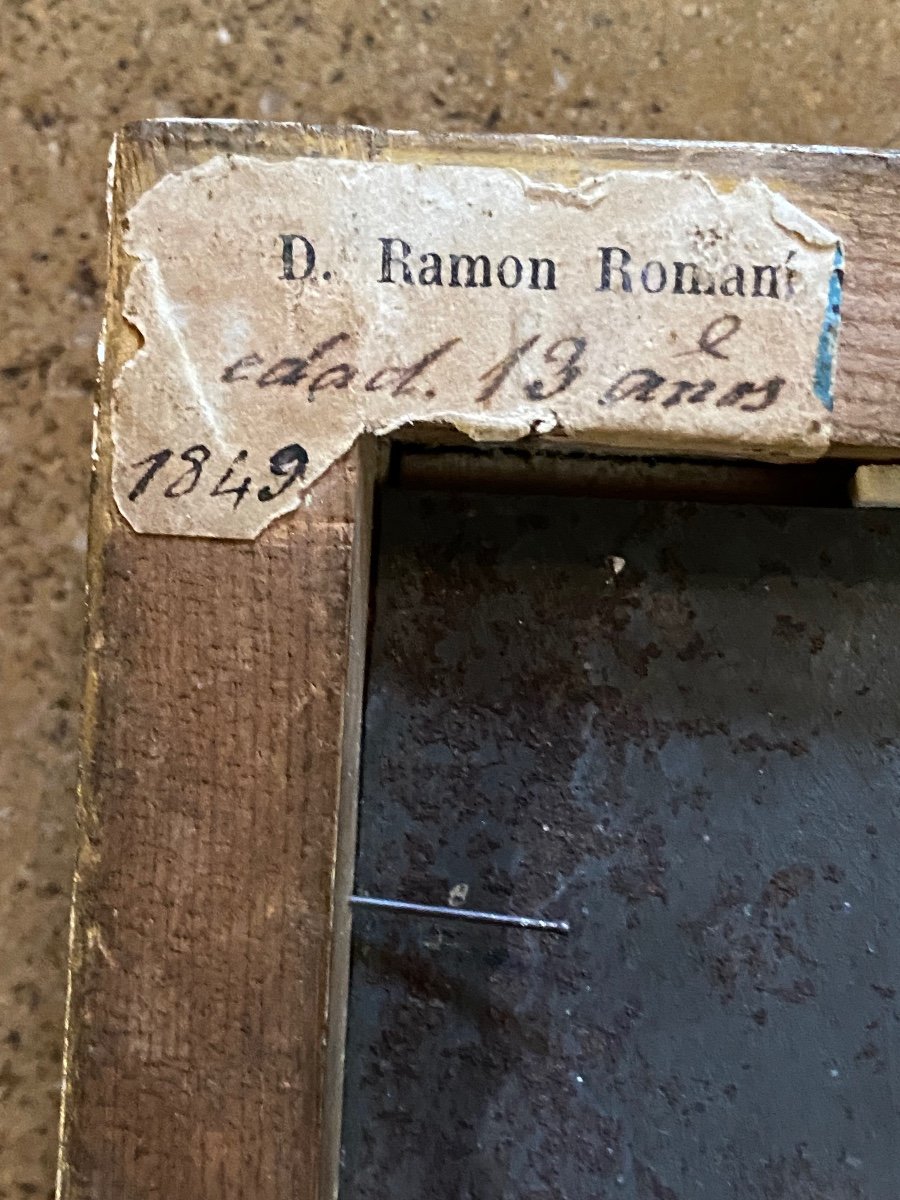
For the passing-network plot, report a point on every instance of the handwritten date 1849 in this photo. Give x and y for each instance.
(287, 465)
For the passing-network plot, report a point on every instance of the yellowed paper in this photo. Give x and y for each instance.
(287, 307)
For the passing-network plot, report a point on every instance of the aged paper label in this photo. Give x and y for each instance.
(286, 307)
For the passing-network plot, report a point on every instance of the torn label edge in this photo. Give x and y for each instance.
(588, 193)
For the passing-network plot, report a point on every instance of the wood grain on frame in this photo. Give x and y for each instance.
(226, 698)
(222, 723)
(220, 749)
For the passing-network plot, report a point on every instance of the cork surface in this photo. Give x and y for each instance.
(809, 72)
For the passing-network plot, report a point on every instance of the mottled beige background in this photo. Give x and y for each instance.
(71, 71)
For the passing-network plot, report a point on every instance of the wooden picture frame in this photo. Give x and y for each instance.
(209, 954)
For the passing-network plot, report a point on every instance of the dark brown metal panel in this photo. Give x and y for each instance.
(678, 727)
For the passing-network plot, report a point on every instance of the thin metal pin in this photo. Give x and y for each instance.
(462, 914)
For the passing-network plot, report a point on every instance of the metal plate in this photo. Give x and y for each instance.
(678, 727)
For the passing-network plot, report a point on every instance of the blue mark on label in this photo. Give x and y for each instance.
(823, 377)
